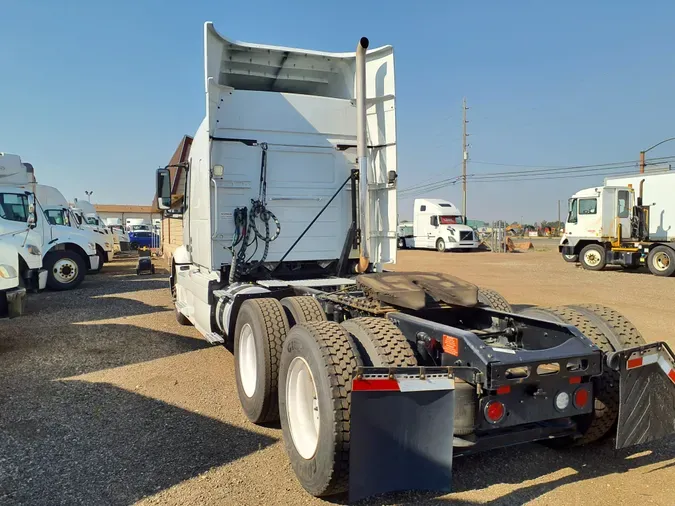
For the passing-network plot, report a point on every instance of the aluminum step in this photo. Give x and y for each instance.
(213, 338)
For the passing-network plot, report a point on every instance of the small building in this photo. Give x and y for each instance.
(172, 223)
(123, 212)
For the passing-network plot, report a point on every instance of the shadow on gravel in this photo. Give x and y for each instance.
(73, 442)
(531, 462)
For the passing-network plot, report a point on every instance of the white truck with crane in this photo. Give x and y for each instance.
(64, 254)
(438, 224)
(626, 222)
(378, 378)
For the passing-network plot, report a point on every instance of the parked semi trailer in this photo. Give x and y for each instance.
(627, 222)
(379, 379)
(438, 224)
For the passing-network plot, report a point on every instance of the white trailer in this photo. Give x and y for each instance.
(12, 293)
(438, 224)
(628, 222)
(65, 256)
(289, 216)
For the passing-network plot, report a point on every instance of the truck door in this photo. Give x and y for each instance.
(623, 206)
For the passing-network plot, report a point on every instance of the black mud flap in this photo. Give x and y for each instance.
(401, 430)
(646, 393)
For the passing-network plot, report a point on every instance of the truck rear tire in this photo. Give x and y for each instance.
(592, 257)
(65, 269)
(602, 325)
(380, 343)
(303, 309)
(315, 382)
(493, 300)
(661, 261)
(258, 339)
(440, 245)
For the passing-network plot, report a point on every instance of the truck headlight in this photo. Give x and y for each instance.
(7, 271)
(451, 239)
(33, 250)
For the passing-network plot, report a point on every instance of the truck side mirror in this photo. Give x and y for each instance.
(163, 188)
(434, 221)
(31, 219)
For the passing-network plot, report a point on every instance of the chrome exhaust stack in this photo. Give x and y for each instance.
(362, 151)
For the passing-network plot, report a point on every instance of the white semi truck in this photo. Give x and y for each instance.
(64, 222)
(65, 255)
(121, 237)
(627, 222)
(378, 378)
(12, 291)
(438, 224)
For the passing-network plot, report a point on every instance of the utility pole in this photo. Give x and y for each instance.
(465, 157)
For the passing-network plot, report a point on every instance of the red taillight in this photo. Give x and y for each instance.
(580, 398)
(494, 411)
(503, 390)
(575, 380)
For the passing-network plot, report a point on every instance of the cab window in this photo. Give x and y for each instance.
(56, 217)
(622, 204)
(572, 214)
(588, 206)
(14, 207)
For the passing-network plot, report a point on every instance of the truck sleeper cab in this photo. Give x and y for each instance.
(439, 225)
(285, 235)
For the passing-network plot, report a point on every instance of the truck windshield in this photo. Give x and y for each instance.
(451, 220)
(57, 217)
(14, 207)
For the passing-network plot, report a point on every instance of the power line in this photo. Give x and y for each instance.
(569, 171)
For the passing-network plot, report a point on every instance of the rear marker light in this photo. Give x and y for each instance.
(503, 390)
(562, 401)
(580, 398)
(494, 411)
(575, 380)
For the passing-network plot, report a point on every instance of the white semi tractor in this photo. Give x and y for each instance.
(628, 222)
(438, 224)
(378, 378)
(12, 291)
(65, 255)
(64, 222)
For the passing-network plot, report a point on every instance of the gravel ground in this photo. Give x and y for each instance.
(105, 399)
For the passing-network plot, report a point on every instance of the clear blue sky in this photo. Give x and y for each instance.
(98, 94)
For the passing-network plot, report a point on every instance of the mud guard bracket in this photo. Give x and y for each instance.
(401, 430)
(646, 393)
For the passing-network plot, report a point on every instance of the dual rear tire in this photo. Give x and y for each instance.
(295, 366)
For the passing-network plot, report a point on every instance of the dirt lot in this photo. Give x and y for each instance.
(104, 399)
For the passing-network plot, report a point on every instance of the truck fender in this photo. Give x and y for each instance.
(70, 246)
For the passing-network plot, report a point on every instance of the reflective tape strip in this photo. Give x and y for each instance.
(667, 368)
(375, 385)
(654, 358)
(427, 384)
(633, 363)
(403, 384)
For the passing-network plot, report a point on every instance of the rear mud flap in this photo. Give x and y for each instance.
(646, 393)
(401, 431)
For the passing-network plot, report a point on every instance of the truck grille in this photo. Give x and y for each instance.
(466, 236)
